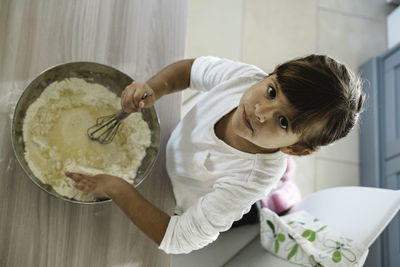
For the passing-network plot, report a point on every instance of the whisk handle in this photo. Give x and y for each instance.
(121, 115)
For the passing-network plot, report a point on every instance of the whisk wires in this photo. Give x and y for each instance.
(106, 127)
(104, 130)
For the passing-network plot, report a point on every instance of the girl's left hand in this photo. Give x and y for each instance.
(98, 185)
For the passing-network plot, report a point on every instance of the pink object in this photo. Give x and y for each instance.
(287, 194)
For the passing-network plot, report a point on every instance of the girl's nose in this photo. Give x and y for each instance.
(262, 112)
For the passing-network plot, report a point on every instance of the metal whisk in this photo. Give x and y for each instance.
(106, 127)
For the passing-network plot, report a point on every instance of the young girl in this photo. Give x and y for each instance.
(230, 150)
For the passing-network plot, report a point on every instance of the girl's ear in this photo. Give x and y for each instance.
(296, 150)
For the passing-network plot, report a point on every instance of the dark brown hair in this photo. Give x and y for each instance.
(322, 90)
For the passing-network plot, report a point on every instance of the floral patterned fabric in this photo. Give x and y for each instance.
(300, 238)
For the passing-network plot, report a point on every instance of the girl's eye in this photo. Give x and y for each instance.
(283, 122)
(271, 92)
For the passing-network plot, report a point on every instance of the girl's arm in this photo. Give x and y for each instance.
(147, 217)
(173, 78)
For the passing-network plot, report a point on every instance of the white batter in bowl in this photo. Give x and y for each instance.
(55, 136)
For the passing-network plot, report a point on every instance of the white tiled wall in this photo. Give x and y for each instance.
(275, 31)
(214, 28)
(268, 32)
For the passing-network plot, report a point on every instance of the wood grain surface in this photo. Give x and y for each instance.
(136, 37)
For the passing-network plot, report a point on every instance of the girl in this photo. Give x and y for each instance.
(230, 150)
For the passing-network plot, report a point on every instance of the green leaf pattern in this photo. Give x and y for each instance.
(292, 252)
(276, 245)
(308, 234)
(337, 251)
(336, 257)
(278, 237)
(281, 237)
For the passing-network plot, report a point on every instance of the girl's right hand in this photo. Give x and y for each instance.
(136, 96)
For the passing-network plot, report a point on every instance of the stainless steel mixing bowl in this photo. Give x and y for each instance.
(107, 76)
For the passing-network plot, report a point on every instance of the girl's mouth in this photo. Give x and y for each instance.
(246, 120)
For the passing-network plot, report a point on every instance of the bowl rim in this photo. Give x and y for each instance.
(59, 196)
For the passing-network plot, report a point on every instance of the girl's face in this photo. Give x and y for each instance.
(263, 116)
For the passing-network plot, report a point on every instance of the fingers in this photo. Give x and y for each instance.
(127, 103)
(82, 182)
(74, 176)
(85, 186)
(136, 96)
(139, 98)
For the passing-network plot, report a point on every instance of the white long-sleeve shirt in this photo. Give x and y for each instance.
(214, 184)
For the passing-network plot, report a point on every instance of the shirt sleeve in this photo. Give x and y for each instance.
(215, 212)
(208, 72)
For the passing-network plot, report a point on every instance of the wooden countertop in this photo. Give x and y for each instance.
(136, 37)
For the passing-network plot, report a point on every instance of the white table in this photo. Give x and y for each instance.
(136, 37)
